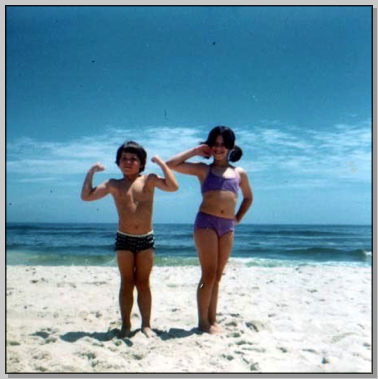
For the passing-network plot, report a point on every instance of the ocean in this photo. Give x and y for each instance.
(254, 245)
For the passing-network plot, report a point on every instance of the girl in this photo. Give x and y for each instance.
(214, 224)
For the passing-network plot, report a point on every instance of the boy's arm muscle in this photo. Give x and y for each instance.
(98, 192)
(159, 182)
(88, 193)
(168, 183)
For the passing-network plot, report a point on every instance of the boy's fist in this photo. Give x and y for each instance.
(97, 167)
(156, 159)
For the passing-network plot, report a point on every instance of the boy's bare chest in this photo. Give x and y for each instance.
(134, 192)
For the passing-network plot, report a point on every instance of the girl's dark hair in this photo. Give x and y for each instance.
(133, 148)
(229, 141)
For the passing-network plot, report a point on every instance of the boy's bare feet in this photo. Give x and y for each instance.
(146, 330)
(125, 332)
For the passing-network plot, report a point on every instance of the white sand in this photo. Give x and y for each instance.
(307, 319)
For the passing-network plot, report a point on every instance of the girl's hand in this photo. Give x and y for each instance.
(203, 151)
(97, 167)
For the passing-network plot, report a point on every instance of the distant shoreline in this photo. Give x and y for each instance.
(172, 223)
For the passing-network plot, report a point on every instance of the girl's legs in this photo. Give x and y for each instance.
(206, 241)
(225, 243)
(143, 263)
(126, 269)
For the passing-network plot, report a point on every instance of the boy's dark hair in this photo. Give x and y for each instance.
(229, 141)
(134, 148)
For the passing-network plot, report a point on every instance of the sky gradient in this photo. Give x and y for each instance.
(294, 83)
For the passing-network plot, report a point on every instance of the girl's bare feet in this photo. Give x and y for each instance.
(208, 329)
(217, 327)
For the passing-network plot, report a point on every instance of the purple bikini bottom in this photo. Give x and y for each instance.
(219, 224)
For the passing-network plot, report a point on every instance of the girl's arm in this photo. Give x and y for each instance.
(178, 162)
(169, 182)
(247, 195)
(88, 193)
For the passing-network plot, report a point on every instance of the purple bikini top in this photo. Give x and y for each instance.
(213, 182)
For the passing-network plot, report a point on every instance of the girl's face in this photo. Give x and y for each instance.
(219, 150)
(129, 164)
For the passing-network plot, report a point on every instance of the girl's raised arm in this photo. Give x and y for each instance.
(178, 162)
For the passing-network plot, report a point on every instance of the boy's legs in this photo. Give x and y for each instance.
(225, 243)
(143, 266)
(126, 265)
(207, 247)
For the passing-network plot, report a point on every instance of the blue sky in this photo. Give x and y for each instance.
(294, 83)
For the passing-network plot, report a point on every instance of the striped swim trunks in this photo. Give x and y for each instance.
(134, 242)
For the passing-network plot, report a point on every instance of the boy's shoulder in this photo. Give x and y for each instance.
(150, 175)
(120, 182)
(150, 178)
(112, 182)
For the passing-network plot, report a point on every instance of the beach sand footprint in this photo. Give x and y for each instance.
(283, 349)
(255, 326)
(99, 283)
(66, 284)
(235, 335)
(313, 351)
(13, 343)
(41, 355)
(46, 335)
(89, 355)
(229, 357)
(254, 366)
(236, 315)
(340, 337)
(97, 314)
(137, 356)
(231, 323)
(243, 342)
(35, 281)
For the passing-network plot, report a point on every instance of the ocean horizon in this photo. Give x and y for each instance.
(183, 223)
(267, 245)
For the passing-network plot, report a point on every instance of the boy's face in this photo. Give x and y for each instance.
(129, 164)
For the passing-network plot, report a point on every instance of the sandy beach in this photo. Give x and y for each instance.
(284, 319)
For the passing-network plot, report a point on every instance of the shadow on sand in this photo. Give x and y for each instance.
(102, 337)
(173, 333)
(115, 333)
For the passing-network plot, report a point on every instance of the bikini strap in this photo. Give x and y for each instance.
(207, 175)
(209, 172)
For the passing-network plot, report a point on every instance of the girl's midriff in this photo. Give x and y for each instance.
(219, 203)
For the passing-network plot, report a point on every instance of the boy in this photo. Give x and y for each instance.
(133, 197)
